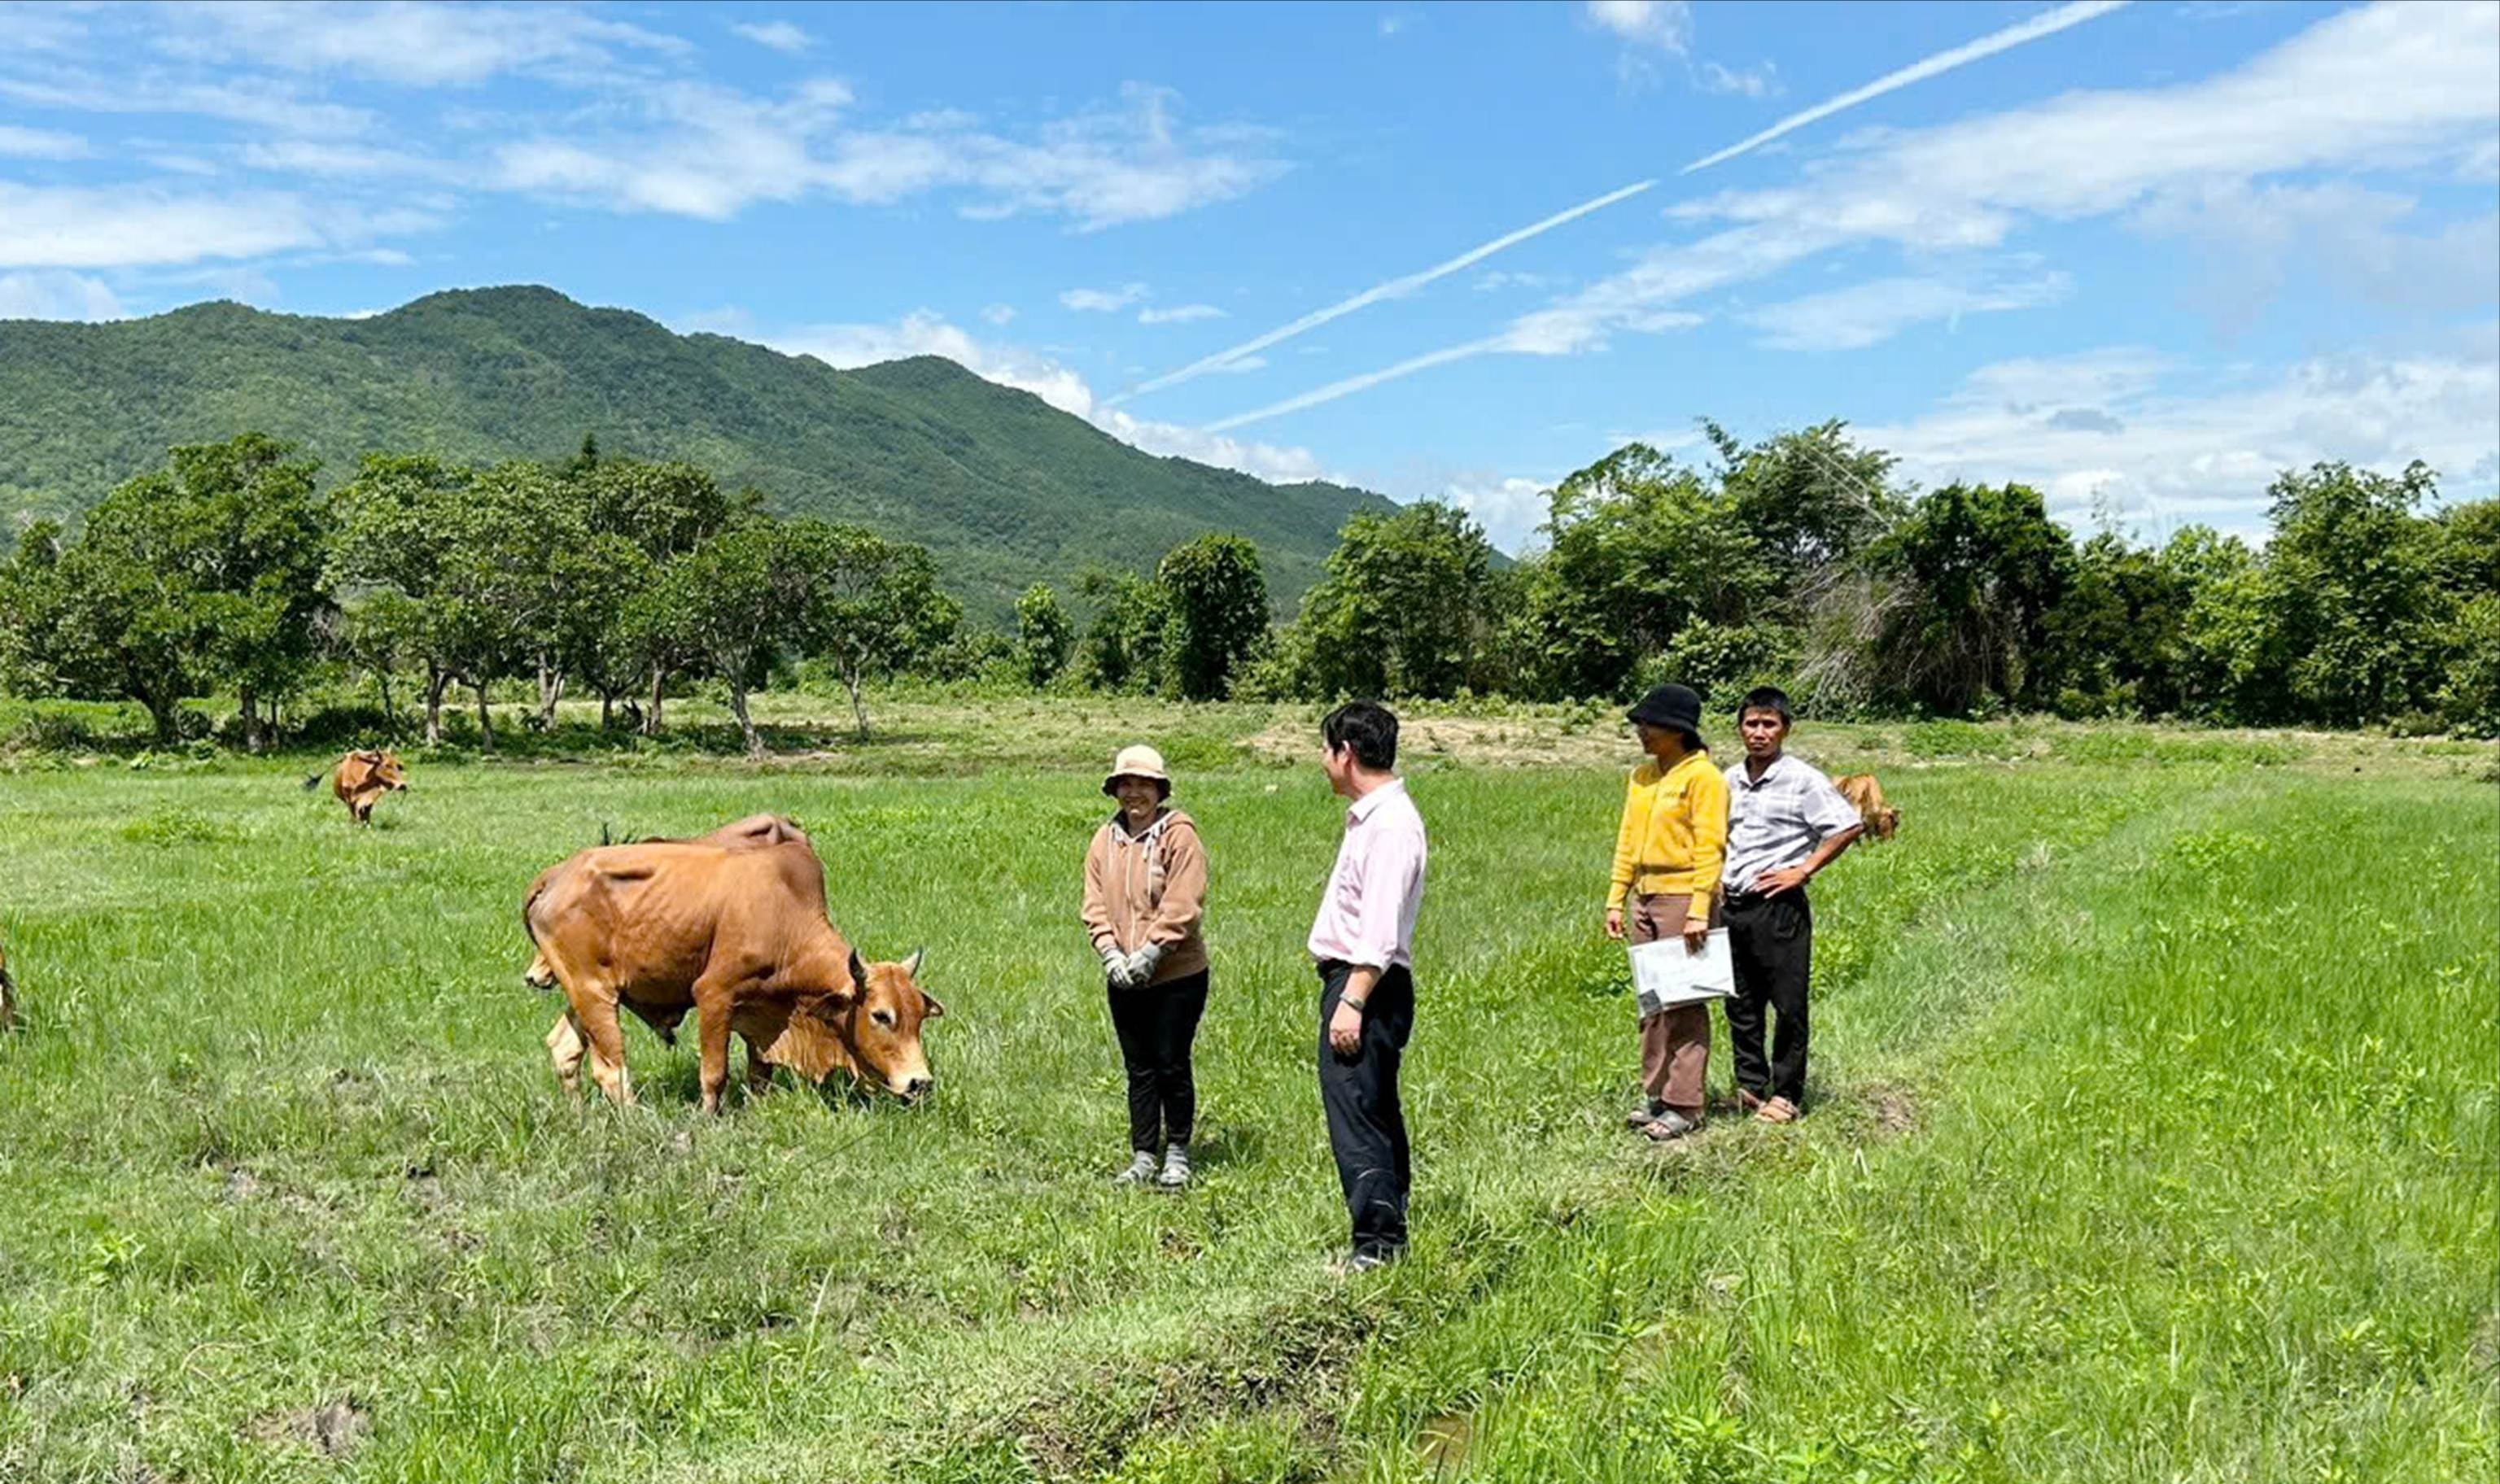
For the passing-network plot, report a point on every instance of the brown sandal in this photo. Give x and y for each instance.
(1778, 1110)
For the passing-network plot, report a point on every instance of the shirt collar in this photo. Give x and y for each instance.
(1361, 808)
(1743, 770)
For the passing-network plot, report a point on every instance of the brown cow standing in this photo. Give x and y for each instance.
(738, 934)
(1866, 797)
(363, 777)
(753, 830)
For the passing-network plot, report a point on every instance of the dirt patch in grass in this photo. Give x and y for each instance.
(330, 1428)
(1893, 1107)
(1445, 1442)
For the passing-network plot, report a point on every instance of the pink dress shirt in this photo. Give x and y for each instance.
(1366, 917)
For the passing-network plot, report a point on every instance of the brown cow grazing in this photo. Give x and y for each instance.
(361, 778)
(739, 935)
(753, 830)
(1866, 797)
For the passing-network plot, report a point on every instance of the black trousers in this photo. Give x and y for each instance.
(1771, 941)
(1366, 1127)
(1156, 1024)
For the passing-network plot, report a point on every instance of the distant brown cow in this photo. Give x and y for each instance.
(1866, 797)
(361, 778)
(740, 936)
(8, 994)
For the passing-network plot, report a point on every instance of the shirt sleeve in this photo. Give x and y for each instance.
(1827, 811)
(1392, 869)
(1184, 897)
(1098, 906)
(1707, 797)
(1619, 882)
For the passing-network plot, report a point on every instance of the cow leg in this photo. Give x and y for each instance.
(713, 1010)
(564, 1044)
(759, 1072)
(597, 1020)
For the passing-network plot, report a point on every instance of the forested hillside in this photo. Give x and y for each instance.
(1003, 488)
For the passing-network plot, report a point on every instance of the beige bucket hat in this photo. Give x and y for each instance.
(1140, 761)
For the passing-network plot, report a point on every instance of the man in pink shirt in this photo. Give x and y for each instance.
(1363, 941)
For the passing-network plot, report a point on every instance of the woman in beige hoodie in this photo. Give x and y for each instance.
(1145, 888)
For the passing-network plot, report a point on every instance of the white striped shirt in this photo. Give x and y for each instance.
(1776, 820)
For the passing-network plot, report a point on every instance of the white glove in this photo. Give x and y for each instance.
(1141, 964)
(1115, 967)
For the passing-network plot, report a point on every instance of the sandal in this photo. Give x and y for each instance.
(1779, 1111)
(1670, 1125)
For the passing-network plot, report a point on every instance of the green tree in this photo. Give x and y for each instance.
(2115, 642)
(874, 607)
(1638, 547)
(2351, 591)
(1216, 592)
(1124, 642)
(418, 549)
(30, 612)
(207, 571)
(1402, 610)
(1971, 575)
(741, 599)
(1045, 633)
(1810, 499)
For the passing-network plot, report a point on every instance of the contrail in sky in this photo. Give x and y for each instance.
(1377, 292)
(2046, 23)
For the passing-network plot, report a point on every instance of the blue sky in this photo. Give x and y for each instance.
(2141, 256)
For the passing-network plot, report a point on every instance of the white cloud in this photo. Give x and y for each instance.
(40, 143)
(779, 35)
(1277, 464)
(1762, 82)
(925, 333)
(419, 45)
(58, 296)
(2356, 240)
(999, 313)
(1500, 279)
(708, 151)
(1179, 315)
(1510, 508)
(2121, 426)
(258, 103)
(110, 227)
(1110, 301)
(1867, 314)
(2392, 85)
(1666, 25)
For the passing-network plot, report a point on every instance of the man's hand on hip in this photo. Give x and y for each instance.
(1785, 879)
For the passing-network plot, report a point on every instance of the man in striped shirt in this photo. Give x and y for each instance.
(1363, 941)
(1785, 822)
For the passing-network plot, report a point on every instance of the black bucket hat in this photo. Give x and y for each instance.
(1672, 706)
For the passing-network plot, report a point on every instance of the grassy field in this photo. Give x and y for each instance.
(2155, 1136)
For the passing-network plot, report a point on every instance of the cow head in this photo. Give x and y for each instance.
(388, 770)
(883, 1024)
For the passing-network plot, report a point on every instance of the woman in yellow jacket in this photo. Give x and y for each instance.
(1667, 855)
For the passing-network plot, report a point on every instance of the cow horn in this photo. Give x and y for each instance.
(859, 975)
(912, 965)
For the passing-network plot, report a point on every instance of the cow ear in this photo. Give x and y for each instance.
(912, 965)
(931, 1009)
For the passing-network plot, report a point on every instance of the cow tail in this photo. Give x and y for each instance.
(314, 781)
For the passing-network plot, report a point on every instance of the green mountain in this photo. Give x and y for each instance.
(1002, 487)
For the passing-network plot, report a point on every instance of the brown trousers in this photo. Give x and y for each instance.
(1675, 1043)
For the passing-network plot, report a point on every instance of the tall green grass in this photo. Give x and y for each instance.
(282, 1146)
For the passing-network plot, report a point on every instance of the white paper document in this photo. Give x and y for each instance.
(1666, 974)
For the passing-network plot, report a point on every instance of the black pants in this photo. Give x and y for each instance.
(1771, 941)
(1366, 1127)
(1155, 1023)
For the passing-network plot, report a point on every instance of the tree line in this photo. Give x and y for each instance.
(1797, 561)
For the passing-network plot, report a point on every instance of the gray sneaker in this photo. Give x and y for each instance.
(1354, 1263)
(1644, 1113)
(1670, 1125)
(1140, 1171)
(1175, 1168)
